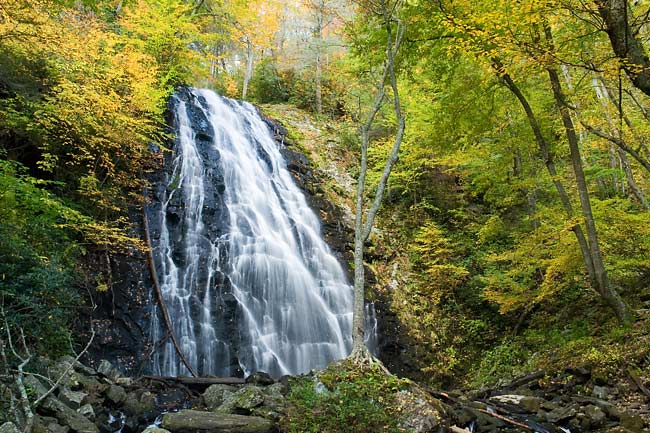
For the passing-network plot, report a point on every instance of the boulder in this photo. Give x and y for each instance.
(89, 384)
(525, 402)
(600, 392)
(192, 421)
(418, 414)
(66, 361)
(73, 399)
(44, 424)
(562, 413)
(633, 423)
(155, 429)
(69, 417)
(9, 427)
(595, 415)
(108, 370)
(139, 403)
(242, 401)
(260, 378)
(116, 394)
(87, 411)
(215, 395)
(274, 405)
(35, 386)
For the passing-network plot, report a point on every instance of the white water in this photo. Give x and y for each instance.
(293, 302)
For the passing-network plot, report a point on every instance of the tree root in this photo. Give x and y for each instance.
(362, 357)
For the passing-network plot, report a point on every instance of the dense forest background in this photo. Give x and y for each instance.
(515, 232)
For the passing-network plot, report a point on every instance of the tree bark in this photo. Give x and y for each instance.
(625, 42)
(362, 230)
(603, 284)
(249, 67)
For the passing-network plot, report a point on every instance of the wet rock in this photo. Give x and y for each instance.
(242, 401)
(192, 421)
(9, 427)
(69, 417)
(214, 396)
(73, 399)
(116, 394)
(260, 378)
(139, 403)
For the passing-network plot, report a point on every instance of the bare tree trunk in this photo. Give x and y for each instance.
(362, 230)
(603, 284)
(318, 33)
(249, 67)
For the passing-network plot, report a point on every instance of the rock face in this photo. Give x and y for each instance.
(193, 421)
(123, 317)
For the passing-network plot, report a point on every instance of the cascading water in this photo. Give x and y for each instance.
(248, 281)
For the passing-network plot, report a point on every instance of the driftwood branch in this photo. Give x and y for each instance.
(159, 296)
(65, 373)
(506, 419)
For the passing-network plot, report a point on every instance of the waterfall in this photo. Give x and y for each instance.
(248, 280)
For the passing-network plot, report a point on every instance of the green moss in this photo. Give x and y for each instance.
(344, 398)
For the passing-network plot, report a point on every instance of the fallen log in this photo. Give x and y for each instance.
(197, 381)
(506, 419)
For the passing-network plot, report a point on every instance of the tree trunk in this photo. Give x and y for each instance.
(625, 42)
(605, 97)
(547, 156)
(318, 33)
(634, 187)
(249, 67)
(362, 230)
(603, 284)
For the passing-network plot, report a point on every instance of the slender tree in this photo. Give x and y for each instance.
(389, 12)
(601, 281)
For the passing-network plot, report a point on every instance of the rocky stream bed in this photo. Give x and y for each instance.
(102, 400)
